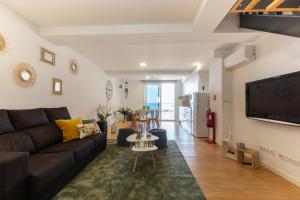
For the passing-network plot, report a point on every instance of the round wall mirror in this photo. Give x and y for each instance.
(24, 75)
(74, 68)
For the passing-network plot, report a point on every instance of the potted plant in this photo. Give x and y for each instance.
(103, 113)
(124, 111)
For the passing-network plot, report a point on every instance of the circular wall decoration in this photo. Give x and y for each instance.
(2, 43)
(24, 75)
(109, 90)
(74, 67)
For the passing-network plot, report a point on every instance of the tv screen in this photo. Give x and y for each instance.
(276, 98)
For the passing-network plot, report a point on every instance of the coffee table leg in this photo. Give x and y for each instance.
(135, 162)
(153, 159)
(130, 151)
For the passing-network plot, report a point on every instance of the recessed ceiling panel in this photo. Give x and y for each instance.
(104, 12)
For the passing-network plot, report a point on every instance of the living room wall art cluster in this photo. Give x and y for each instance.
(25, 75)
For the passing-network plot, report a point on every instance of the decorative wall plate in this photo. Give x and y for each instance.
(24, 75)
(2, 43)
(74, 67)
(109, 90)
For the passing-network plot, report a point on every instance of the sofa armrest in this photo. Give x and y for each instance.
(13, 175)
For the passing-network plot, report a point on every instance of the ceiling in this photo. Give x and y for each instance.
(104, 12)
(117, 35)
(157, 56)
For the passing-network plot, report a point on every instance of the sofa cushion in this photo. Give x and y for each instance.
(80, 148)
(44, 136)
(5, 124)
(57, 113)
(23, 119)
(46, 168)
(13, 175)
(69, 129)
(16, 142)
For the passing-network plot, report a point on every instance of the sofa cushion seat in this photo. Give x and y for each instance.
(16, 142)
(80, 148)
(99, 140)
(46, 168)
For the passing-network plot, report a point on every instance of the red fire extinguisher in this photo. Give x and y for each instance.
(211, 123)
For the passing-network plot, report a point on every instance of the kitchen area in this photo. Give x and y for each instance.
(194, 103)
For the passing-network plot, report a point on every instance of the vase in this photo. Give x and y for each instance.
(103, 126)
(114, 128)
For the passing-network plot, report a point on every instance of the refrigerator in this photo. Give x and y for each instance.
(200, 105)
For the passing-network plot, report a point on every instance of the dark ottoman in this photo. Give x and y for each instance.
(122, 135)
(162, 134)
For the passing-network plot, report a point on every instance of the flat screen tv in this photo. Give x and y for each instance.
(275, 99)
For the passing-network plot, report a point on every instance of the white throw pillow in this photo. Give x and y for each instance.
(86, 130)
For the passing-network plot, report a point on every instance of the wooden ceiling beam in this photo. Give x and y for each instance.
(273, 7)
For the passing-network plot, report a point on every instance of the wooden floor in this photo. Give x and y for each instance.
(222, 178)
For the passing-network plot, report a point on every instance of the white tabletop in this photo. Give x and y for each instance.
(132, 138)
(144, 149)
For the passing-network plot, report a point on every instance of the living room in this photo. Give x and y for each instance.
(126, 76)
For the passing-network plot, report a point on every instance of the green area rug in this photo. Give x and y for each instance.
(110, 177)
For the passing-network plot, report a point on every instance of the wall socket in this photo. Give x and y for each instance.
(288, 159)
(268, 151)
(281, 156)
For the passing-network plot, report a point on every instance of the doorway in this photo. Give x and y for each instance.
(161, 97)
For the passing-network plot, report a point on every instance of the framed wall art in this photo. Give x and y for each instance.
(47, 56)
(57, 86)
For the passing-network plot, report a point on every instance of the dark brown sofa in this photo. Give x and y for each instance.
(34, 162)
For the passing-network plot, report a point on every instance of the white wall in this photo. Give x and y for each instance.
(276, 55)
(216, 88)
(135, 99)
(203, 81)
(190, 85)
(195, 82)
(81, 93)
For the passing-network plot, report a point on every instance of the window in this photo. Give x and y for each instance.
(161, 96)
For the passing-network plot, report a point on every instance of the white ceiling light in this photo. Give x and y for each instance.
(147, 77)
(143, 64)
(198, 66)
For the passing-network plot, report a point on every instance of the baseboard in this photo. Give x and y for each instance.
(281, 173)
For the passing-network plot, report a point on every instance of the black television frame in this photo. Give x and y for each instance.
(286, 122)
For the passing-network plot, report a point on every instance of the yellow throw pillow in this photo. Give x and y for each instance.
(69, 129)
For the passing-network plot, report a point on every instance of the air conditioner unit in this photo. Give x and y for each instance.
(240, 57)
